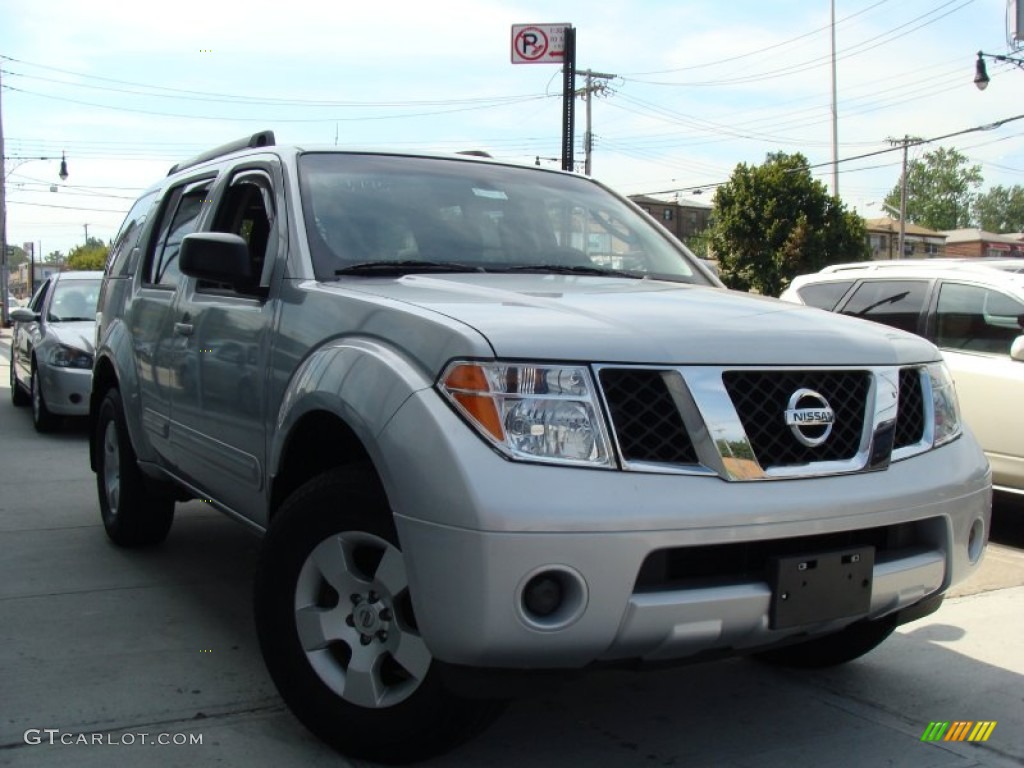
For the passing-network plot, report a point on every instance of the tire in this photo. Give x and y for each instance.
(134, 513)
(42, 419)
(830, 651)
(19, 397)
(349, 661)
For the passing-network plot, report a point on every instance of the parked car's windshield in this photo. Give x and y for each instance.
(375, 214)
(74, 300)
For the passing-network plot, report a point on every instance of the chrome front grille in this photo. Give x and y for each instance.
(732, 422)
(648, 426)
(761, 399)
(911, 423)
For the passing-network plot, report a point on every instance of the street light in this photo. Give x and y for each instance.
(981, 78)
(4, 173)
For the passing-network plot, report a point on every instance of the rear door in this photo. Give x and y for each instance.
(900, 303)
(150, 316)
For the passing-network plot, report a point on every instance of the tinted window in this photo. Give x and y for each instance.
(974, 318)
(180, 217)
(824, 295)
(128, 237)
(894, 302)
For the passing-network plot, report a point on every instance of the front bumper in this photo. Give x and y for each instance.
(65, 390)
(475, 528)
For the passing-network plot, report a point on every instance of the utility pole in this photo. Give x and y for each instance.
(588, 136)
(86, 233)
(906, 141)
(5, 320)
(835, 112)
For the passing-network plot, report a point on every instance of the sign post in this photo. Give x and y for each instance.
(552, 44)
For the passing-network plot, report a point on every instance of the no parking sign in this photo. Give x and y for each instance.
(538, 43)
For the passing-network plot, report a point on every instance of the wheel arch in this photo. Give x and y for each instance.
(104, 378)
(337, 402)
(319, 442)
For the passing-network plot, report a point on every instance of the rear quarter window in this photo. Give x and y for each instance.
(824, 295)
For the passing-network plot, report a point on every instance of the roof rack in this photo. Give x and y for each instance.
(261, 139)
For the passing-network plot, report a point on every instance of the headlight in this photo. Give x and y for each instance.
(535, 412)
(947, 425)
(63, 356)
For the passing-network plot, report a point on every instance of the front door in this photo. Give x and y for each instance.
(219, 418)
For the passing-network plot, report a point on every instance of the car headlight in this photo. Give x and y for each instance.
(63, 356)
(947, 425)
(533, 412)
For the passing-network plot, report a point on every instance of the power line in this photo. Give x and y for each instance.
(911, 142)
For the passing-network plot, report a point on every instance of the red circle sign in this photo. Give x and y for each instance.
(531, 43)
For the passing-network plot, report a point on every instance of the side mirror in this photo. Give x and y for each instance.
(22, 315)
(219, 257)
(1016, 349)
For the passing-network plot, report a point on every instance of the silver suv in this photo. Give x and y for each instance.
(493, 419)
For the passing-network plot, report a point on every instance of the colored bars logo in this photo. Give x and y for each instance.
(959, 730)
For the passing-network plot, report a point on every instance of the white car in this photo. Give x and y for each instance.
(52, 348)
(972, 310)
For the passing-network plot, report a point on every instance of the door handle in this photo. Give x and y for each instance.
(183, 329)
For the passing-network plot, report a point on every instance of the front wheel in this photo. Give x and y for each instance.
(18, 396)
(134, 514)
(337, 630)
(829, 651)
(42, 419)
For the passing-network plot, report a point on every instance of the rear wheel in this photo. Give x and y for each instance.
(18, 396)
(42, 419)
(337, 630)
(134, 513)
(829, 651)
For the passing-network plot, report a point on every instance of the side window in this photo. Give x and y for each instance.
(975, 318)
(894, 302)
(128, 237)
(824, 295)
(247, 210)
(36, 304)
(179, 217)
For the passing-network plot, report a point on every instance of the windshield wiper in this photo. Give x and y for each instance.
(571, 269)
(405, 267)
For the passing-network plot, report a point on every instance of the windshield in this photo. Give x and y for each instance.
(372, 215)
(74, 300)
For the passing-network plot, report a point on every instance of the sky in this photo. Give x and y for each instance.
(124, 91)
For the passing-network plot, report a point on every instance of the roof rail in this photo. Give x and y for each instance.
(261, 139)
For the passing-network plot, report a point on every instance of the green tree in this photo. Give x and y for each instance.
(1001, 209)
(53, 257)
(941, 188)
(16, 256)
(92, 255)
(774, 221)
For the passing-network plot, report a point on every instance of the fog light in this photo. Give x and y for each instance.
(551, 597)
(976, 541)
(543, 594)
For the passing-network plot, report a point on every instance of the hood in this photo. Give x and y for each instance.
(79, 334)
(598, 319)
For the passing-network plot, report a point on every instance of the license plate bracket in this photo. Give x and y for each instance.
(822, 586)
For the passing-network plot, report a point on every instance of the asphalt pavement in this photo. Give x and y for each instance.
(111, 657)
